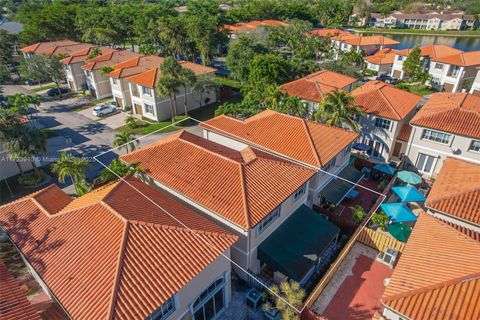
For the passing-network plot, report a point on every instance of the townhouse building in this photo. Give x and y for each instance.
(47, 47)
(381, 62)
(446, 126)
(384, 125)
(234, 30)
(475, 90)
(427, 52)
(364, 44)
(328, 33)
(455, 73)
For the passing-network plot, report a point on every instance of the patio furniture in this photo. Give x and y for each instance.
(408, 194)
(399, 231)
(254, 298)
(385, 168)
(409, 177)
(398, 212)
(352, 194)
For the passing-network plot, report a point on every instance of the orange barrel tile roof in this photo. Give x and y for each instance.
(328, 32)
(305, 141)
(433, 51)
(240, 186)
(92, 251)
(249, 26)
(405, 132)
(457, 113)
(81, 55)
(13, 300)
(360, 41)
(463, 59)
(314, 86)
(66, 50)
(42, 46)
(109, 59)
(135, 66)
(438, 274)
(384, 56)
(150, 78)
(456, 190)
(385, 100)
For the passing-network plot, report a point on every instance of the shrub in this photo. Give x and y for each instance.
(381, 219)
(30, 178)
(358, 214)
(382, 184)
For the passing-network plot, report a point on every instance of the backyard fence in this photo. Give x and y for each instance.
(379, 241)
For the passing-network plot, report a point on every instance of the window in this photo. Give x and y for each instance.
(475, 146)
(210, 302)
(383, 123)
(300, 192)
(439, 66)
(88, 73)
(149, 109)
(272, 216)
(165, 310)
(436, 80)
(114, 81)
(436, 136)
(147, 91)
(425, 163)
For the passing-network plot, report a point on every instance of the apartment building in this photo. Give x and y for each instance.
(387, 113)
(366, 44)
(475, 90)
(381, 62)
(147, 102)
(448, 125)
(427, 52)
(48, 47)
(456, 72)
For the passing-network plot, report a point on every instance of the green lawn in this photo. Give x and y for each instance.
(145, 127)
(45, 87)
(467, 33)
(422, 90)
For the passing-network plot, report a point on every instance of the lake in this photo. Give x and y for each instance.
(410, 40)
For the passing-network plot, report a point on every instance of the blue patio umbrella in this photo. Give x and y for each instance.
(408, 194)
(409, 177)
(398, 212)
(360, 146)
(385, 168)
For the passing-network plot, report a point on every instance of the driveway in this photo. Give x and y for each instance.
(112, 120)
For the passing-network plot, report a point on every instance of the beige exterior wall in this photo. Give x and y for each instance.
(380, 68)
(99, 82)
(443, 75)
(76, 76)
(121, 90)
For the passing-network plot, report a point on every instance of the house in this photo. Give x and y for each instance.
(475, 90)
(387, 113)
(328, 33)
(123, 251)
(147, 102)
(312, 88)
(323, 148)
(455, 194)
(434, 21)
(98, 83)
(381, 62)
(366, 44)
(246, 27)
(76, 78)
(48, 47)
(455, 72)
(427, 52)
(250, 192)
(448, 125)
(437, 275)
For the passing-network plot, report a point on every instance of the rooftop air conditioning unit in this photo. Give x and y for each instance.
(389, 256)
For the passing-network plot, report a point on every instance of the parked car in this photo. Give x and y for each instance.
(103, 109)
(56, 91)
(387, 79)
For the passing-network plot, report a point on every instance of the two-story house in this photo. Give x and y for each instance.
(387, 113)
(456, 72)
(448, 125)
(427, 52)
(74, 73)
(381, 62)
(363, 44)
(98, 83)
(122, 251)
(475, 90)
(323, 148)
(148, 103)
(250, 192)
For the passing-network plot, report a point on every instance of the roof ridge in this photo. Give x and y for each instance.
(455, 194)
(388, 101)
(27, 197)
(244, 196)
(310, 141)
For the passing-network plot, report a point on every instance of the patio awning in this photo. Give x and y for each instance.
(385, 168)
(408, 194)
(398, 212)
(336, 190)
(294, 247)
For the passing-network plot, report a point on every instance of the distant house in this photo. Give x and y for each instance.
(387, 113)
(328, 33)
(246, 27)
(448, 125)
(475, 90)
(381, 62)
(114, 254)
(366, 44)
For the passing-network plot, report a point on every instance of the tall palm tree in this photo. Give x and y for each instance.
(72, 167)
(125, 140)
(187, 79)
(338, 109)
(168, 87)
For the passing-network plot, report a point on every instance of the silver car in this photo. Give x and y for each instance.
(103, 109)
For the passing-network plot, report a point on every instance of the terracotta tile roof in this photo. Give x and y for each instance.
(302, 140)
(65, 50)
(240, 186)
(109, 59)
(150, 78)
(463, 59)
(42, 46)
(249, 26)
(432, 51)
(81, 55)
(475, 235)
(135, 66)
(385, 100)
(314, 86)
(384, 56)
(356, 40)
(92, 256)
(437, 276)
(328, 32)
(404, 134)
(457, 113)
(13, 300)
(456, 190)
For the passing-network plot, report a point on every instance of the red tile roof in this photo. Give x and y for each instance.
(109, 59)
(42, 46)
(385, 100)
(81, 55)
(405, 132)
(438, 274)
(456, 190)
(358, 40)
(433, 51)
(240, 186)
(92, 253)
(135, 66)
(302, 140)
(314, 86)
(13, 300)
(384, 56)
(457, 113)
(463, 59)
(65, 50)
(150, 78)
(328, 32)
(249, 26)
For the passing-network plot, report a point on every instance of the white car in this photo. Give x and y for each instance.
(103, 109)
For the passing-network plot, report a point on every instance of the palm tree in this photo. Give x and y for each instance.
(72, 167)
(131, 122)
(126, 140)
(9, 128)
(168, 86)
(338, 109)
(118, 168)
(187, 79)
(285, 295)
(95, 52)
